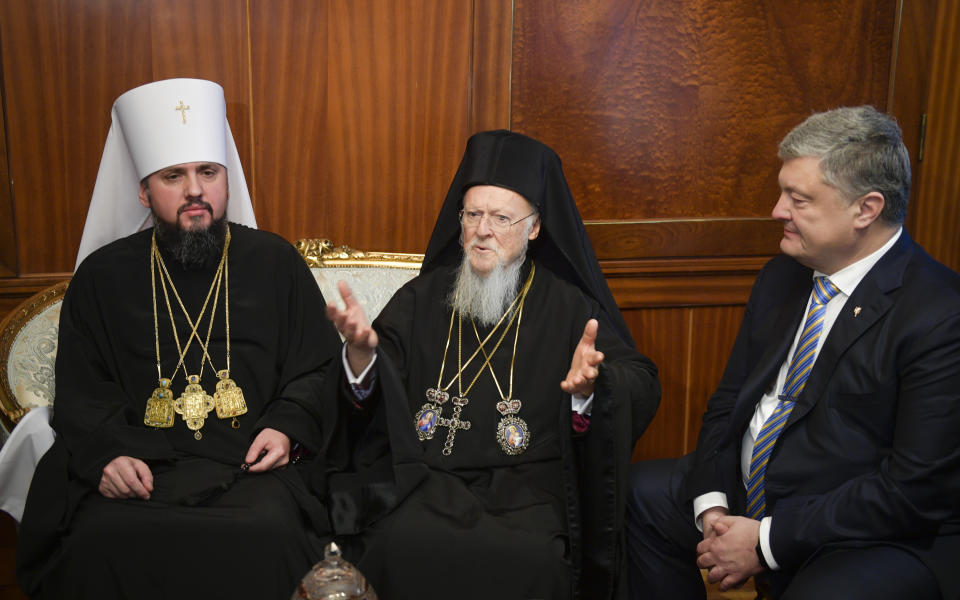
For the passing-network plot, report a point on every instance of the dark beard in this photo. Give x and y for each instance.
(192, 248)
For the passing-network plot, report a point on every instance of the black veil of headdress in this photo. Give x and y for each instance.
(522, 164)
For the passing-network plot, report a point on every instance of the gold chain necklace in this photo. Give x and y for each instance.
(194, 404)
(440, 394)
(228, 398)
(429, 417)
(513, 434)
(160, 406)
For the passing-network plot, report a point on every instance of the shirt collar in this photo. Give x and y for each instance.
(848, 278)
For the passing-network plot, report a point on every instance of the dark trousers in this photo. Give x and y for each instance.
(662, 561)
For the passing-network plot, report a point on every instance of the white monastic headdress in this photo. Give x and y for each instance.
(155, 126)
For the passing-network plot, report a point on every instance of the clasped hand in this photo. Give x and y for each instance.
(728, 551)
(584, 366)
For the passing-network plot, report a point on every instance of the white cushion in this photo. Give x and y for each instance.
(372, 286)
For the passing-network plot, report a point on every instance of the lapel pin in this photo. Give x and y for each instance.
(856, 311)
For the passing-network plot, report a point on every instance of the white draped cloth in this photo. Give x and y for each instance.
(19, 456)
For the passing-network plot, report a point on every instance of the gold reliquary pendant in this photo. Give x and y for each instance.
(194, 405)
(229, 398)
(159, 411)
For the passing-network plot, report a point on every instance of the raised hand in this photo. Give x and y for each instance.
(352, 324)
(584, 364)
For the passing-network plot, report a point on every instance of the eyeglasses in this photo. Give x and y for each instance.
(496, 223)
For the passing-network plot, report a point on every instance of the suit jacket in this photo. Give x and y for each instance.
(871, 452)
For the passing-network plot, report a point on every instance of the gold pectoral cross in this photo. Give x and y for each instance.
(194, 405)
(183, 111)
(454, 423)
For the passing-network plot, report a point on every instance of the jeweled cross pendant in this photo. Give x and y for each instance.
(454, 423)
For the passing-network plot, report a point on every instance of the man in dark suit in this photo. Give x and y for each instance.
(828, 462)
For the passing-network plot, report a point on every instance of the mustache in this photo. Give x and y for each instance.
(476, 242)
(194, 203)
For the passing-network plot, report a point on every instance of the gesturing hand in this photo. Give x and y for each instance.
(352, 324)
(584, 364)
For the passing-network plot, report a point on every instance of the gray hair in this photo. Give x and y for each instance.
(861, 150)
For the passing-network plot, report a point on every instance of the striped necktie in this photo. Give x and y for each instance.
(800, 366)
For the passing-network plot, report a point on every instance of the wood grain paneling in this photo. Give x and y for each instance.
(58, 97)
(690, 347)
(910, 79)
(681, 290)
(492, 59)
(686, 237)
(711, 281)
(289, 178)
(386, 117)
(714, 331)
(66, 62)
(673, 109)
(936, 213)
(8, 246)
(663, 335)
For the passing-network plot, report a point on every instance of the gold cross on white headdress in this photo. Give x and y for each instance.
(183, 111)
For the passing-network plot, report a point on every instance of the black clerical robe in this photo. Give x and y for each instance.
(482, 523)
(207, 531)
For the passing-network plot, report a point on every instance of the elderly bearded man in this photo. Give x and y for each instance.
(190, 361)
(494, 404)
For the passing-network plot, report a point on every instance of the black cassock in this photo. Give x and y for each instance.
(207, 530)
(481, 523)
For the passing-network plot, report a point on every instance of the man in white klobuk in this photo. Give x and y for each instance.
(110, 217)
(189, 360)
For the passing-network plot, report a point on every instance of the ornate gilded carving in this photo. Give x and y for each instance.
(321, 252)
(10, 328)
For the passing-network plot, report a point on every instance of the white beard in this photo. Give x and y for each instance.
(486, 298)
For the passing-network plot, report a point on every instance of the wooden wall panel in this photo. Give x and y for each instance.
(58, 97)
(936, 211)
(385, 121)
(66, 62)
(673, 109)
(910, 80)
(663, 335)
(8, 246)
(714, 331)
(663, 238)
(690, 347)
(492, 62)
(287, 174)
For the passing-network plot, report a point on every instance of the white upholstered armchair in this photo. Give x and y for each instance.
(373, 276)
